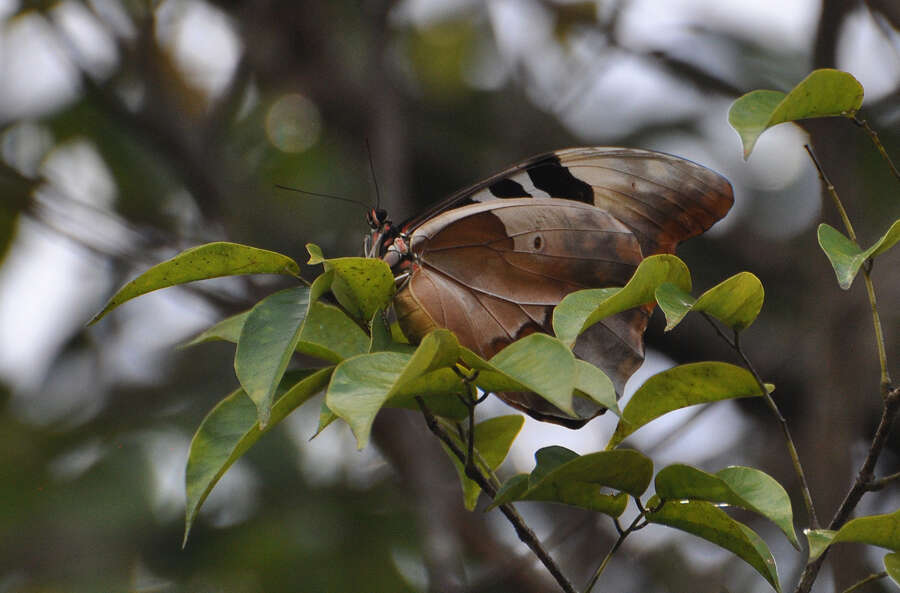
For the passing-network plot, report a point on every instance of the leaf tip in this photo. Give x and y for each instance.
(315, 254)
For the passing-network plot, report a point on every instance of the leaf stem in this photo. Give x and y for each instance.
(789, 441)
(524, 532)
(865, 581)
(873, 135)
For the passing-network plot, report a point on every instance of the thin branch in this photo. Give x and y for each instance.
(882, 482)
(789, 441)
(833, 193)
(470, 438)
(891, 405)
(863, 483)
(865, 581)
(622, 535)
(873, 135)
(524, 532)
(879, 332)
(867, 278)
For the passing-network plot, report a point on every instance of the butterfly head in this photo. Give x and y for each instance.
(382, 232)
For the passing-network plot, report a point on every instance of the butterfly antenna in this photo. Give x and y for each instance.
(321, 195)
(374, 178)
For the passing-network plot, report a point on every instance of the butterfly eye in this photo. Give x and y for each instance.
(537, 243)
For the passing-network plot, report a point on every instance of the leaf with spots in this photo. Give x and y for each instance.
(212, 260)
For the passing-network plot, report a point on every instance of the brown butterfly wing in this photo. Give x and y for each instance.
(493, 272)
(471, 282)
(662, 198)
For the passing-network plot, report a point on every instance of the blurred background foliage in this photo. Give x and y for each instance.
(132, 129)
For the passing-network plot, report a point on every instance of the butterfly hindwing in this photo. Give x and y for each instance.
(492, 272)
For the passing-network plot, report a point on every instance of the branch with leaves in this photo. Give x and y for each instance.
(364, 369)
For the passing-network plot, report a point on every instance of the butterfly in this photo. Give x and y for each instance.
(491, 261)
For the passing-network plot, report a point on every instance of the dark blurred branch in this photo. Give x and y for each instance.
(889, 9)
(828, 29)
(229, 103)
(700, 78)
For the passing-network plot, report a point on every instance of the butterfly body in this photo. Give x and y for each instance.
(491, 262)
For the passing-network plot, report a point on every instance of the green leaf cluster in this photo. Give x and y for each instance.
(364, 365)
(364, 369)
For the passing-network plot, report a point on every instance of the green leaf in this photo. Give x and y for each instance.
(212, 260)
(824, 93)
(594, 384)
(315, 254)
(736, 302)
(751, 113)
(674, 302)
(363, 286)
(229, 330)
(493, 438)
(362, 385)
(543, 365)
(328, 334)
(582, 309)
(708, 522)
(680, 387)
(875, 530)
(512, 489)
(231, 428)
(818, 539)
(564, 477)
(266, 344)
(846, 257)
(892, 567)
(380, 333)
(326, 417)
(538, 363)
(549, 459)
(743, 487)
(764, 495)
(888, 240)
